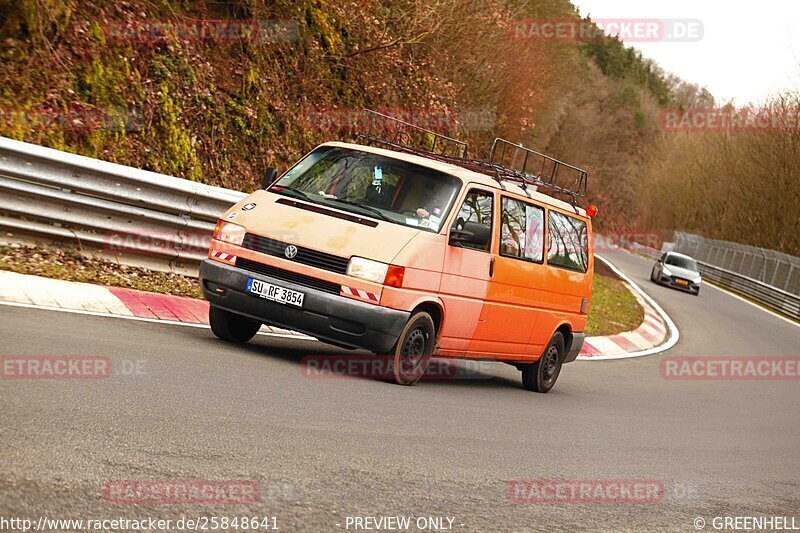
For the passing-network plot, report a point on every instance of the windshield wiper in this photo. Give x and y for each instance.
(305, 196)
(293, 192)
(372, 210)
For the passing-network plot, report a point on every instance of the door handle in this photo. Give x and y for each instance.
(491, 267)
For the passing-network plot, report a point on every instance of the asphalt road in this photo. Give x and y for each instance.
(325, 449)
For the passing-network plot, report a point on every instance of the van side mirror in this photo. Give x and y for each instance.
(470, 233)
(269, 178)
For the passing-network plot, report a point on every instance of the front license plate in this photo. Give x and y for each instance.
(275, 293)
(682, 282)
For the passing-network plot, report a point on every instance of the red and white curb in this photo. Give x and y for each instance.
(656, 334)
(85, 298)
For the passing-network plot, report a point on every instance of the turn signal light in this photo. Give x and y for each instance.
(228, 232)
(394, 276)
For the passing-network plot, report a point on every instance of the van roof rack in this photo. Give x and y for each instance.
(507, 162)
(391, 131)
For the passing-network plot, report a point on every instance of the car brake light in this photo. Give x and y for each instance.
(394, 276)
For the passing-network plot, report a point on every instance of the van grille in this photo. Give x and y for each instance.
(306, 256)
(287, 275)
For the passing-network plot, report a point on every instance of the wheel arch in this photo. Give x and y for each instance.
(436, 310)
(566, 331)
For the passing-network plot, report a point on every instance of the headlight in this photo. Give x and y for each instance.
(665, 271)
(358, 267)
(230, 233)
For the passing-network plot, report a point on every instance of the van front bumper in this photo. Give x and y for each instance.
(329, 317)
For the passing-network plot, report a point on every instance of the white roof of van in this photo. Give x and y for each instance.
(466, 175)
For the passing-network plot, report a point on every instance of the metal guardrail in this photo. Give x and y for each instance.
(770, 297)
(768, 266)
(123, 211)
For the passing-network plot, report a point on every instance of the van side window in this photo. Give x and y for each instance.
(521, 230)
(568, 243)
(477, 209)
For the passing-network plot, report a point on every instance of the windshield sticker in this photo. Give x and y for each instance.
(435, 220)
(248, 207)
(412, 222)
(378, 176)
(437, 211)
(233, 215)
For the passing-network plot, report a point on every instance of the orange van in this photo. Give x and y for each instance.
(409, 253)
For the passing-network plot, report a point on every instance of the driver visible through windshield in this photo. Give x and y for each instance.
(372, 185)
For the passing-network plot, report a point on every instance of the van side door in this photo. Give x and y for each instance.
(465, 277)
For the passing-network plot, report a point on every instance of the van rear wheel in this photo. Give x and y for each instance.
(232, 327)
(541, 376)
(412, 352)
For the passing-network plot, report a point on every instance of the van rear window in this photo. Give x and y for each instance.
(568, 243)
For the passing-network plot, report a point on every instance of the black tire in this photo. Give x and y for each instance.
(653, 276)
(697, 292)
(231, 327)
(412, 352)
(541, 376)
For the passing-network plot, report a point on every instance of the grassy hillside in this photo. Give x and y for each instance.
(220, 110)
(741, 185)
(129, 82)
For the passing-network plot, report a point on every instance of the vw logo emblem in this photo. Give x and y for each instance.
(290, 251)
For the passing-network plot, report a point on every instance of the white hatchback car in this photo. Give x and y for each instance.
(678, 271)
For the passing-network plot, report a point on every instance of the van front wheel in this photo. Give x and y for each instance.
(542, 375)
(232, 327)
(412, 353)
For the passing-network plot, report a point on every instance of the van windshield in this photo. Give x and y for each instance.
(372, 185)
